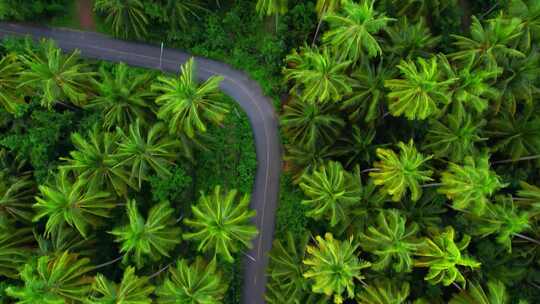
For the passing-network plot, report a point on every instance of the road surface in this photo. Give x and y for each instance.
(236, 84)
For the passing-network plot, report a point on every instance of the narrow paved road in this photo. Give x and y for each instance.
(237, 85)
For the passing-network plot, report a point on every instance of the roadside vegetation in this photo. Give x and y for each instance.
(119, 185)
(411, 135)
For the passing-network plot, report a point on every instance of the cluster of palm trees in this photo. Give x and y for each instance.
(416, 158)
(148, 123)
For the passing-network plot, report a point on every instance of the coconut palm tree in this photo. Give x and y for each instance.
(469, 186)
(475, 294)
(195, 283)
(10, 69)
(417, 9)
(322, 8)
(442, 255)
(93, 160)
(53, 76)
(152, 238)
(271, 7)
(489, 44)
(309, 124)
(122, 95)
(529, 12)
(131, 290)
(187, 106)
(54, 279)
(176, 13)
(399, 173)
(420, 91)
(317, 75)
(15, 248)
(352, 30)
(357, 147)
(384, 291)
(305, 159)
(409, 41)
(16, 197)
(70, 202)
(391, 241)
(331, 191)
(146, 151)
(126, 17)
(334, 266)
(232, 217)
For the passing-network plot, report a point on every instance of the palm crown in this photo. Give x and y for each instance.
(126, 17)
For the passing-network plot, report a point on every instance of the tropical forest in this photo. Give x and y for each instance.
(270, 151)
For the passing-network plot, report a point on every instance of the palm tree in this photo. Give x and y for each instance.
(286, 268)
(333, 266)
(16, 197)
(305, 159)
(421, 90)
(417, 9)
(94, 162)
(65, 238)
(15, 248)
(122, 96)
(475, 294)
(152, 238)
(324, 7)
(72, 203)
(530, 196)
(442, 255)
(195, 283)
(330, 191)
(409, 41)
(126, 17)
(10, 69)
(391, 241)
(271, 7)
(455, 137)
(221, 223)
(131, 290)
(176, 13)
(399, 173)
(317, 75)
(491, 44)
(352, 30)
(54, 279)
(470, 186)
(357, 147)
(56, 78)
(366, 100)
(529, 12)
(144, 151)
(185, 105)
(384, 291)
(309, 124)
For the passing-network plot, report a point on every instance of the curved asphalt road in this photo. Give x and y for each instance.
(237, 85)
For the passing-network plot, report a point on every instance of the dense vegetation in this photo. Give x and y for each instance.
(413, 141)
(119, 185)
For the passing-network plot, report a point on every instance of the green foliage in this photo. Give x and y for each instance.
(174, 14)
(391, 241)
(309, 124)
(333, 266)
(122, 96)
(94, 161)
(421, 91)
(408, 40)
(186, 105)
(318, 75)
(529, 12)
(384, 292)
(173, 188)
(53, 280)
(455, 137)
(352, 30)
(16, 197)
(55, 77)
(126, 17)
(131, 290)
(305, 159)
(15, 248)
(331, 191)
(221, 223)
(271, 7)
(442, 255)
(358, 147)
(145, 151)
(10, 68)
(30, 9)
(71, 202)
(475, 294)
(471, 185)
(196, 283)
(152, 238)
(399, 173)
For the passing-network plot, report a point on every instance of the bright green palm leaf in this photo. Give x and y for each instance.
(131, 290)
(16, 197)
(10, 69)
(15, 248)
(126, 17)
(475, 294)
(221, 223)
(384, 292)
